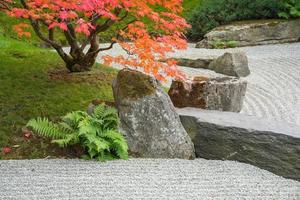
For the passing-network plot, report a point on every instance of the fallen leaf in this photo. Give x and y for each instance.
(6, 150)
(16, 146)
(27, 133)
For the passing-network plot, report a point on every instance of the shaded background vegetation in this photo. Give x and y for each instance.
(209, 14)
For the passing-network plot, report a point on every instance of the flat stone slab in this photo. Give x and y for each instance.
(270, 145)
(250, 33)
(141, 179)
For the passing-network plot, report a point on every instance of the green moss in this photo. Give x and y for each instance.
(218, 44)
(134, 85)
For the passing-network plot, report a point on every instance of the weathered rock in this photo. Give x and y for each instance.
(148, 118)
(270, 145)
(225, 94)
(231, 64)
(194, 63)
(250, 33)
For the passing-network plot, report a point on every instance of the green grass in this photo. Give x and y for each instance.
(27, 91)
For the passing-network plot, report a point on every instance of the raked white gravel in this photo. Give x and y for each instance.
(141, 179)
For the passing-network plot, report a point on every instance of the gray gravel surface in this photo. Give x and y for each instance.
(141, 179)
(274, 84)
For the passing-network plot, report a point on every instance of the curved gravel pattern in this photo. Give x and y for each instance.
(141, 179)
(274, 84)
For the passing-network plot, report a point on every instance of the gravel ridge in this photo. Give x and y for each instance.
(141, 179)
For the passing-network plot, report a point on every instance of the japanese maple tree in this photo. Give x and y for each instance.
(148, 30)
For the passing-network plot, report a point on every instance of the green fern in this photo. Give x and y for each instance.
(96, 133)
(46, 128)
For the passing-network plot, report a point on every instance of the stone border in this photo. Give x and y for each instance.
(270, 145)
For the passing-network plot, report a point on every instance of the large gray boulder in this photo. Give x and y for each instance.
(250, 33)
(231, 64)
(224, 94)
(270, 145)
(148, 118)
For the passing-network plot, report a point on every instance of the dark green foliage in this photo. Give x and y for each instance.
(212, 13)
(290, 9)
(96, 133)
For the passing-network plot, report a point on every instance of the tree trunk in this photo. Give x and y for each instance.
(82, 63)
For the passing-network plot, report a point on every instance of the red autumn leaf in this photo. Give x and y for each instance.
(27, 135)
(6, 150)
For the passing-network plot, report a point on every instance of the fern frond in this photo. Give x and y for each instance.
(74, 118)
(66, 127)
(44, 127)
(121, 149)
(106, 156)
(111, 123)
(99, 110)
(110, 112)
(87, 129)
(69, 140)
(118, 143)
(96, 142)
(113, 135)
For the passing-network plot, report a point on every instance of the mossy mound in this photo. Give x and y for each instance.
(134, 84)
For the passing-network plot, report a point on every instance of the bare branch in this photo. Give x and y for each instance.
(106, 48)
(103, 27)
(4, 5)
(114, 42)
(51, 34)
(36, 27)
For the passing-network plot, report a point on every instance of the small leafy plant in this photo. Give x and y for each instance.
(96, 133)
(225, 44)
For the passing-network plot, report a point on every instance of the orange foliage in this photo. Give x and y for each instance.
(91, 17)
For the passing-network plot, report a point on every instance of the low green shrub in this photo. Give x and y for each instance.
(96, 133)
(212, 13)
(225, 44)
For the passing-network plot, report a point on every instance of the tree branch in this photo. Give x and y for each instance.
(36, 27)
(51, 34)
(114, 42)
(75, 50)
(4, 5)
(103, 27)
